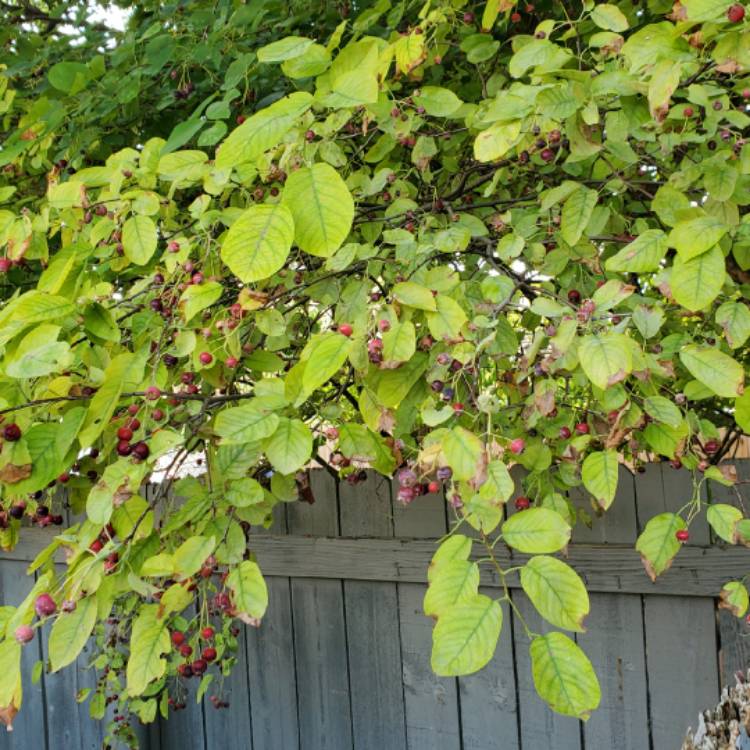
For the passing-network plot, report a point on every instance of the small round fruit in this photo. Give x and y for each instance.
(582, 428)
(206, 358)
(384, 325)
(96, 546)
(437, 385)
(231, 362)
(547, 154)
(574, 296)
(433, 487)
(178, 637)
(23, 633)
(199, 666)
(44, 606)
(64, 478)
(468, 17)
(186, 650)
(515, 17)
(157, 415)
(125, 433)
(124, 448)
(736, 13)
(406, 494)
(444, 473)
(564, 433)
(16, 511)
(345, 329)
(711, 446)
(209, 654)
(522, 503)
(5, 265)
(517, 446)
(458, 407)
(185, 670)
(12, 432)
(682, 535)
(153, 393)
(141, 450)
(688, 112)
(207, 633)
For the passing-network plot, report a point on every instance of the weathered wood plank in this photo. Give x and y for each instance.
(372, 625)
(272, 673)
(489, 707)
(230, 728)
(734, 647)
(184, 730)
(540, 727)
(682, 666)
(609, 568)
(614, 644)
(432, 710)
(324, 702)
(618, 525)
(29, 726)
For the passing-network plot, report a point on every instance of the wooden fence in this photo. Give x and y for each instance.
(342, 659)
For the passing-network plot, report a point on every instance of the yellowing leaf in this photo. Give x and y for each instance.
(139, 239)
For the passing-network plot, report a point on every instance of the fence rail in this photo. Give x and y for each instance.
(341, 660)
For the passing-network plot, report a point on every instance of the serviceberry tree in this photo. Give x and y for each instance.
(432, 239)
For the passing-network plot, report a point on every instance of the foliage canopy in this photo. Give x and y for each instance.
(435, 239)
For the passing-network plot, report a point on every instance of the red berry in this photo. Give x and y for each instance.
(141, 450)
(711, 446)
(736, 13)
(207, 633)
(515, 17)
(133, 409)
(384, 325)
(522, 503)
(746, 93)
(96, 546)
(241, 119)
(178, 638)
(682, 535)
(186, 650)
(199, 666)
(582, 428)
(5, 265)
(209, 654)
(564, 433)
(517, 445)
(185, 670)
(688, 112)
(63, 478)
(547, 154)
(468, 17)
(206, 358)
(574, 296)
(231, 362)
(125, 433)
(157, 415)
(12, 432)
(153, 393)
(24, 633)
(124, 448)
(45, 605)
(346, 330)
(433, 487)
(458, 407)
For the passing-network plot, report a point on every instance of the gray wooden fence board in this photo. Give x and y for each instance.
(734, 647)
(29, 725)
(272, 673)
(185, 729)
(324, 702)
(432, 712)
(539, 725)
(489, 710)
(372, 623)
(230, 728)
(614, 644)
(618, 525)
(682, 665)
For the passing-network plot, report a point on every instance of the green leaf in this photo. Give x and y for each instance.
(499, 484)
(462, 450)
(706, 10)
(663, 410)
(353, 75)
(696, 236)
(437, 101)
(609, 17)
(557, 592)
(605, 358)
(39, 354)
(447, 320)
(69, 633)
(536, 531)
(723, 520)
(455, 547)
(322, 208)
(643, 254)
(466, 636)
(139, 239)
(258, 243)
(249, 591)
(70, 77)
(734, 597)
(734, 318)
(599, 473)
(696, 283)
(658, 544)
(399, 343)
(453, 582)
(563, 675)
(191, 554)
(326, 354)
(576, 214)
(245, 424)
(414, 295)
(10, 673)
(284, 49)
(717, 371)
(263, 131)
(197, 297)
(290, 446)
(492, 144)
(149, 639)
